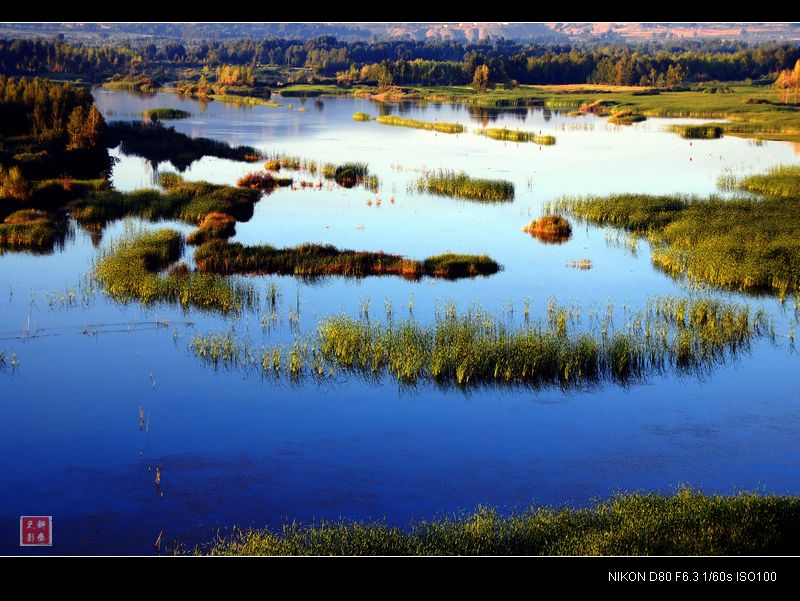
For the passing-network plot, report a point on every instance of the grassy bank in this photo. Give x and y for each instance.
(476, 348)
(32, 230)
(686, 523)
(129, 271)
(323, 259)
(747, 244)
(461, 185)
(753, 111)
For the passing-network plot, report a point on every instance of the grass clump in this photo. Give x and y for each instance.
(31, 229)
(129, 271)
(686, 523)
(221, 257)
(163, 114)
(550, 228)
(461, 185)
(476, 348)
(746, 244)
(626, 117)
(213, 226)
(361, 116)
(263, 181)
(515, 135)
(451, 265)
(348, 175)
(699, 132)
(441, 127)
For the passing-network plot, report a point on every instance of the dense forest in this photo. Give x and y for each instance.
(48, 129)
(405, 62)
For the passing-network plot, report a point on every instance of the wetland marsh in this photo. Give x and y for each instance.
(519, 381)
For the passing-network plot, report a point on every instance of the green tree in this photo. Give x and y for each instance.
(480, 81)
(13, 185)
(84, 128)
(675, 75)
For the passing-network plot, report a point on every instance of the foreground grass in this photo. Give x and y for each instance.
(129, 272)
(461, 185)
(747, 244)
(672, 334)
(686, 523)
(515, 135)
(218, 256)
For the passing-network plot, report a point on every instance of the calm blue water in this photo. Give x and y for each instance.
(235, 449)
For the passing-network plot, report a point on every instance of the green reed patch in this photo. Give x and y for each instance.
(439, 126)
(218, 256)
(476, 348)
(165, 114)
(361, 116)
(129, 271)
(181, 199)
(626, 117)
(686, 523)
(708, 132)
(461, 185)
(747, 244)
(515, 135)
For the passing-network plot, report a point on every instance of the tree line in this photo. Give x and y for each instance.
(431, 62)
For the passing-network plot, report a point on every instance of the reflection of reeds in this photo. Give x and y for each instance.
(580, 264)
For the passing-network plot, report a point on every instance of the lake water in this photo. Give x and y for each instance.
(235, 449)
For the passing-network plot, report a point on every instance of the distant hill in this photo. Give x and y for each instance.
(462, 32)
